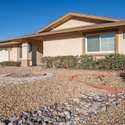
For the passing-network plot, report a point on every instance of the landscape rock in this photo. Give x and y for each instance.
(73, 112)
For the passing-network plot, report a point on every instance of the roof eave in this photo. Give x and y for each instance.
(116, 25)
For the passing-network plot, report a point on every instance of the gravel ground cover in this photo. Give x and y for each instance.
(73, 112)
(16, 98)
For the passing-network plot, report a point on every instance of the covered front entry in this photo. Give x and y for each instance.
(32, 52)
(28, 51)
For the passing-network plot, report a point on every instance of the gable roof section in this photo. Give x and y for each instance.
(85, 29)
(79, 17)
(105, 26)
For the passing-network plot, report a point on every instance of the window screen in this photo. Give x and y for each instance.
(107, 42)
(93, 43)
(101, 43)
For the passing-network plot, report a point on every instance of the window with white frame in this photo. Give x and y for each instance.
(100, 43)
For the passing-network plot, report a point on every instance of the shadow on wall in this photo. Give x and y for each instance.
(37, 51)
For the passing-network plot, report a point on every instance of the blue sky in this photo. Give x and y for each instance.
(22, 17)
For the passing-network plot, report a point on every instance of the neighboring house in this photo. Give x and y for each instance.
(74, 34)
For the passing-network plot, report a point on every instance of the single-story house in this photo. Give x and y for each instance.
(73, 34)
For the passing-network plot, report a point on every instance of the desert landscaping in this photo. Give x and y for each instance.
(39, 96)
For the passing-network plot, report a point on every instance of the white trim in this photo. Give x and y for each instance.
(97, 52)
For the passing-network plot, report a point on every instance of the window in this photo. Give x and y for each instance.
(93, 43)
(101, 43)
(107, 42)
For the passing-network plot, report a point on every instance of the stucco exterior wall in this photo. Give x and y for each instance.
(121, 43)
(13, 54)
(4, 56)
(73, 23)
(63, 46)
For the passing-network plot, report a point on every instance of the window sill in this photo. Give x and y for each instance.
(100, 53)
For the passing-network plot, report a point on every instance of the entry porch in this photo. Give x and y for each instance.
(27, 51)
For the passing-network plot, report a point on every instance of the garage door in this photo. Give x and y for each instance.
(4, 55)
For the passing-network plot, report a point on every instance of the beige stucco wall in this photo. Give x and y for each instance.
(25, 55)
(13, 54)
(74, 45)
(73, 23)
(63, 45)
(121, 43)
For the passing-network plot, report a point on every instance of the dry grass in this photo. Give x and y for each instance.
(113, 116)
(15, 98)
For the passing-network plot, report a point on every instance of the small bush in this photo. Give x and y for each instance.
(111, 62)
(60, 62)
(48, 62)
(87, 62)
(66, 62)
(10, 63)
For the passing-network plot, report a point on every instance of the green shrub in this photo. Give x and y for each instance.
(48, 62)
(10, 63)
(115, 61)
(67, 62)
(111, 62)
(60, 61)
(87, 62)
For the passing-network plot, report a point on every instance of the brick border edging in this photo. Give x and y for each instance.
(106, 88)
